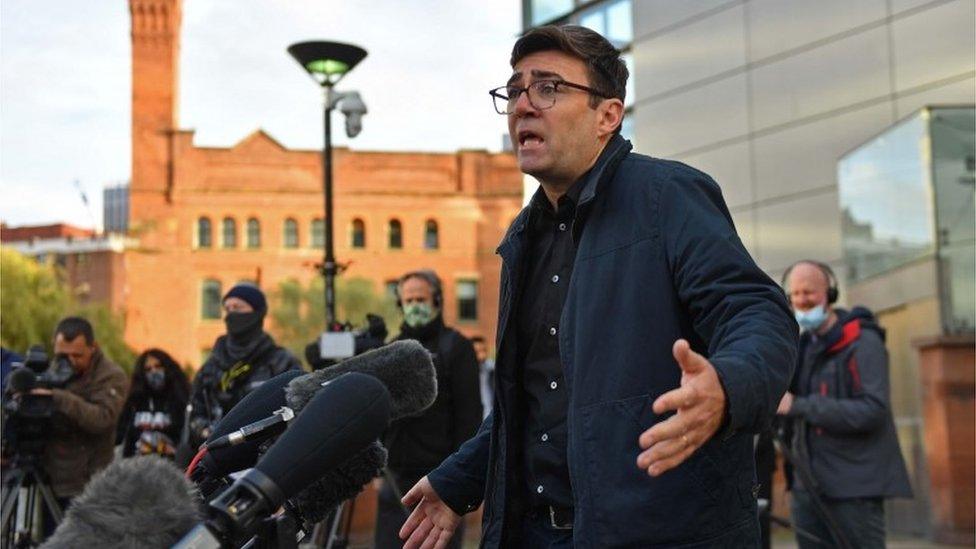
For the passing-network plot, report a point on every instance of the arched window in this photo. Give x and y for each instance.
(431, 237)
(228, 233)
(358, 239)
(253, 233)
(204, 233)
(291, 233)
(210, 299)
(396, 234)
(318, 234)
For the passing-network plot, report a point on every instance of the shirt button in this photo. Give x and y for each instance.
(552, 331)
(555, 279)
(553, 385)
(538, 489)
(545, 437)
(562, 226)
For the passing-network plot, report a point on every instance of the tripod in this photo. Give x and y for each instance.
(27, 498)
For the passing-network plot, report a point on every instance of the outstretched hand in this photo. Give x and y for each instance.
(432, 523)
(699, 404)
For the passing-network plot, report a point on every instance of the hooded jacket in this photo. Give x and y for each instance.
(842, 421)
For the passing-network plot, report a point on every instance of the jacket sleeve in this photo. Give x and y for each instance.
(867, 407)
(739, 313)
(99, 412)
(466, 391)
(285, 361)
(460, 479)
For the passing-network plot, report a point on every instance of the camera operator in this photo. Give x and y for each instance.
(86, 410)
(839, 405)
(241, 360)
(417, 444)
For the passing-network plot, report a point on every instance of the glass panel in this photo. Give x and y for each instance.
(629, 89)
(229, 235)
(210, 299)
(396, 234)
(954, 175)
(291, 233)
(467, 296)
(358, 233)
(543, 11)
(595, 20)
(318, 234)
(620, 29)
(885, 199)
(431, 236)
(253, 233)
(204, 235)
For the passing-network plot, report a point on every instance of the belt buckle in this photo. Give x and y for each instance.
(552, 520)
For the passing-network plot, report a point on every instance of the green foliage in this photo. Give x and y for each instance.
(299, 312)
(33, 299)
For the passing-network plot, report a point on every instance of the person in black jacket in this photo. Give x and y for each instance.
(240, 361)
(840, 407)
(418, 444)
(152, 418)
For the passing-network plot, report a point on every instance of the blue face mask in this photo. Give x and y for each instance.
(812, 319)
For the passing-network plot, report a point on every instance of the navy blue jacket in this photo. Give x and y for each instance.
(658, 259)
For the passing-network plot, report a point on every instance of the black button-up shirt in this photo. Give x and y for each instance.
(550, 253)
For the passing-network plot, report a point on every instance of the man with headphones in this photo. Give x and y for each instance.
(418, 444)
(839, 406)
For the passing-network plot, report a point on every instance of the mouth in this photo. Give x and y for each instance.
(529, 139)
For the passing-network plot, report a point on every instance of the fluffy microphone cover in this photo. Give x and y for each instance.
(404, 367)
(134, 502)
(344, 482)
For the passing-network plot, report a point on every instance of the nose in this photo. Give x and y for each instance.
(523, 105)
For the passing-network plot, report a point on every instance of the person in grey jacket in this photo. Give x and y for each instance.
(840, 410)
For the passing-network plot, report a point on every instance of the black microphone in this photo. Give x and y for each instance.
(135, 502)
(257, 405)
(404, 367)
(21, 380)
(345, 416)
(259, 430)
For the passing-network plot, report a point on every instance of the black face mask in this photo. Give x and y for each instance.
(243, 326)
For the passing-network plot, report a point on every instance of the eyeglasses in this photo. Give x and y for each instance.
(542, 94)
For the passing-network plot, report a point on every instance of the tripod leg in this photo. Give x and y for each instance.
(12, 489)
(52, 502)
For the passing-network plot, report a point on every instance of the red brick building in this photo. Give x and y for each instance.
(202, 219)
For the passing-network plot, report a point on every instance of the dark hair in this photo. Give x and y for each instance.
(177, 384)
(73, 326)
(605, 69)
(428, 276)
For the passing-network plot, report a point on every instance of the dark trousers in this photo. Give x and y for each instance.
(390, 515)
(860, 519)
(538, 533)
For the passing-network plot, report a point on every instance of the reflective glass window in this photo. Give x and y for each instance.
(396, 234)
(291, 233)
(358, 237)
(204, 233)
(431, 235)
(229, 233)
(318, 234)
(253, 233)
(210, 299)
(543, 11)
(467, 297)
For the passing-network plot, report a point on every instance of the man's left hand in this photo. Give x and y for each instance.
(700, 406)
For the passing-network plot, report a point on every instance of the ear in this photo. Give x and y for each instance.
(611, 114)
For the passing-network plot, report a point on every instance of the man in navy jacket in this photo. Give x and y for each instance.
(639, 344)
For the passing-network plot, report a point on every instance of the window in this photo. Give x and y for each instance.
(253, 233)
(467, 296)
(358, 237)
(396, 234)
(612, 20)
(229, 233)
(291, 233)
(210, 295)
(431, 240)
(542, 11)
(204, 236)
(318, 234)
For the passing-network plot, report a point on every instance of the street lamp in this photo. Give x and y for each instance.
(327, 63)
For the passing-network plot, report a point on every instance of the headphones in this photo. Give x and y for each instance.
(430, 277)
(832, 292)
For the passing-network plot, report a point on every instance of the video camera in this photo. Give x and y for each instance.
(28, 416)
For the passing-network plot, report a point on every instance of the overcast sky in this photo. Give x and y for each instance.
(65, 85)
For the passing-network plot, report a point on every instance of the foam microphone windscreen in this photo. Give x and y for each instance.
(315, 502)
(258, 404)
(135, 502)
(21, 380)
(342, 419)
(404, 367)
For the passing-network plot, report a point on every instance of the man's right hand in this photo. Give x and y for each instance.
(432, 523)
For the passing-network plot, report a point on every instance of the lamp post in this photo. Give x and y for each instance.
(327, 63)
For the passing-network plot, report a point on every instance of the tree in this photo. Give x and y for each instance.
(299, 313)
(33, 298)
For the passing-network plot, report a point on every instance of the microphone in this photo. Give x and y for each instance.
(258, 430)
(404, 367)
(21, 380)
(134, 502)
(345, 416)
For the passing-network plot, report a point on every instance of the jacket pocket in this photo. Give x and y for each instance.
(629, 507)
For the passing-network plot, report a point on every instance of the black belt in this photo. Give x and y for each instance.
(559, 518)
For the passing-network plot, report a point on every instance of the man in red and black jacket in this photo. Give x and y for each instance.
(839, 405)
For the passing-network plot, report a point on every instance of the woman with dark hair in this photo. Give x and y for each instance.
(152, 418)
